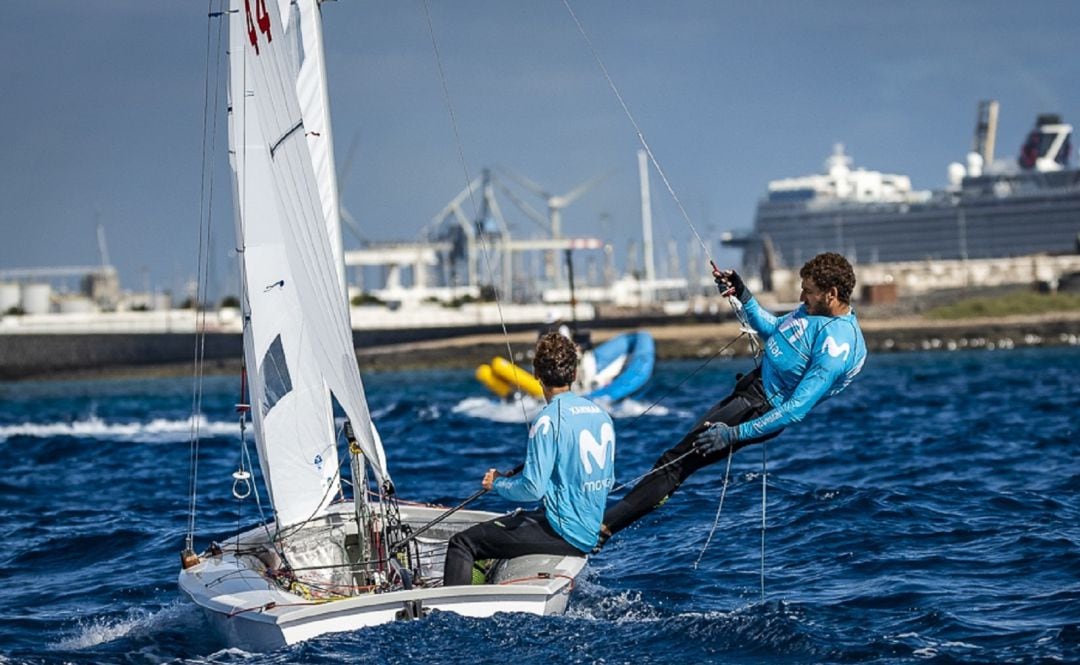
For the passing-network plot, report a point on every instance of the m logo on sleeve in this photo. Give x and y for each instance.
(543, 424)
(836, 350)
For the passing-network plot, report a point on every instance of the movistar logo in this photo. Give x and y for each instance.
(592, 450)
(835, 349)
(542, 424)
(793, 329)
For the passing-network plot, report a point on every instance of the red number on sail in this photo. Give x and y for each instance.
(262, 18)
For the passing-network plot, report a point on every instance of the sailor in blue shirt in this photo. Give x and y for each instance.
(569, 466)
(810, 355)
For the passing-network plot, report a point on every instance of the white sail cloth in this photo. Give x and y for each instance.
(297, 332)
(311, 90)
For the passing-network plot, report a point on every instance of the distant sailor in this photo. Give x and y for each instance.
(810, 355)
(569, 466)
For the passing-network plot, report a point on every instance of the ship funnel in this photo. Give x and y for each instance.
(1048, 146)
(986, 130)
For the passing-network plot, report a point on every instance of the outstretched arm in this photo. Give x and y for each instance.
(812, 388)
(834, 361)
(820, 376)
(529, 485)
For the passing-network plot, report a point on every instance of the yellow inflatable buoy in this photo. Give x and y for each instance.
(486, 376)
(515, 376)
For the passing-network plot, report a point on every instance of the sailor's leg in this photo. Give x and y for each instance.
(675, 465)
(505, 537)
(460, 556)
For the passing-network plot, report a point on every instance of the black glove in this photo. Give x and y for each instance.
(730, 284)
(714, 438)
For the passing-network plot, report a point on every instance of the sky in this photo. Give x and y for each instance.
(103, 112)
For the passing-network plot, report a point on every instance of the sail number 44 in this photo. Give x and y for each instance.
(262, 18)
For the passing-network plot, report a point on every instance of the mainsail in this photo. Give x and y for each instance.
(297, 333)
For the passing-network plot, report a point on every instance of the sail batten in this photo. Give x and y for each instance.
(298, 336)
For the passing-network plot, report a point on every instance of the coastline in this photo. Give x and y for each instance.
(674, 341)
(702, 340)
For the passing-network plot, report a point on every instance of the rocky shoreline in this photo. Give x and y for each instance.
(684, 340)
(703, 340)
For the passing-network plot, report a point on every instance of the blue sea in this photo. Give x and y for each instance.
(928, 514)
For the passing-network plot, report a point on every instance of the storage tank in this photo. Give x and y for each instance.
(36, 298)
(9, 296)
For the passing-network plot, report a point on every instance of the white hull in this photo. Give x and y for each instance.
(250, 611)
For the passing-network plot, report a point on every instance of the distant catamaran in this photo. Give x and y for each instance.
(323, 564)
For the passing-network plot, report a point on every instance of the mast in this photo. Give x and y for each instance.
(297, 335)
(646, 227)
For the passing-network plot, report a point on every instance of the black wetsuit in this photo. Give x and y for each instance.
(746, 402)
(516, 534)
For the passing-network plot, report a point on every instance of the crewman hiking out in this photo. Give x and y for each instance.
(810, 355)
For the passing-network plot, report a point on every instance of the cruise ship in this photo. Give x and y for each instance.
(989, 210)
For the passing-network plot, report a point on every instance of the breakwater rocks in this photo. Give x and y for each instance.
(704, 340)
(66, 356)
(44, 355)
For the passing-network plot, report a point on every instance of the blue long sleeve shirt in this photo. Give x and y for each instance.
(570, 465)
(807, 359)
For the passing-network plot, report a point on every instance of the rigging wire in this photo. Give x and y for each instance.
(689, 376)
(686, 217)
(206, 201)
(641, 137)
(637, 129)
(468, 187)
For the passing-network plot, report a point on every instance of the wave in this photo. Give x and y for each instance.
(98, 630)
(632, 408)
(158, 430)
(528, 408)
(498, 411)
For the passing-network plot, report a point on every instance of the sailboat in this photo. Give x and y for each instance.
(324, 563)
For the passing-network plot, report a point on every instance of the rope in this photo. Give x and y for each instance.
(700, 367)
(719, 509)
(685, 379)
(763, 484)
(273, 605)
(747, 329)
(206, 201)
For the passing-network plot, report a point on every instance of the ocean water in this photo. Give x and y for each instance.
(930, 513)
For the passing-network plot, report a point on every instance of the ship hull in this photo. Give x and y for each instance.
(990, 217)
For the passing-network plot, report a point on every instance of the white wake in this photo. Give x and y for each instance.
(157, 430)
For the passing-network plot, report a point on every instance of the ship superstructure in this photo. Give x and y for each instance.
(989, 209)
